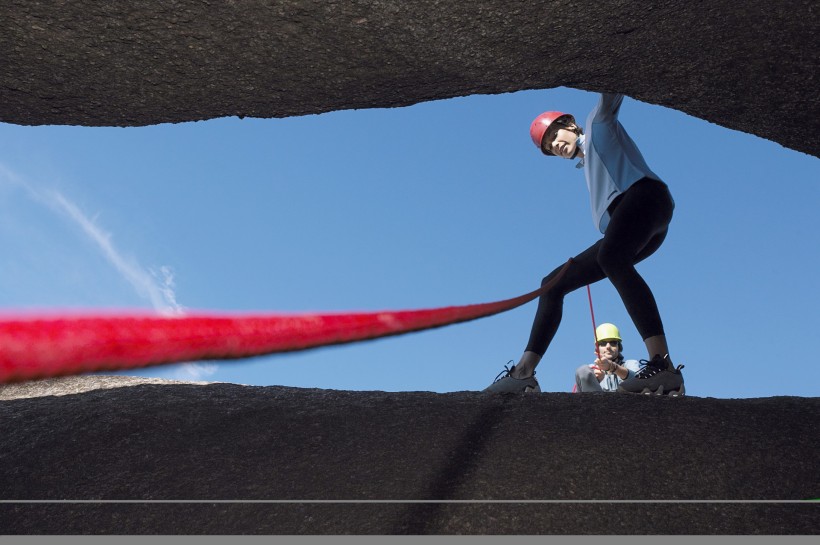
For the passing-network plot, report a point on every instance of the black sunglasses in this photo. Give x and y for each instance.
(604, 343)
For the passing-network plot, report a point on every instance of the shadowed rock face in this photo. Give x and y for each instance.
(748, 66)
(210, 450)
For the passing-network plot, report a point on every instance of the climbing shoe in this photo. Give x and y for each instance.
(657, 377)
(505, 383)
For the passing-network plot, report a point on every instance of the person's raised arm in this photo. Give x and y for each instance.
(607, 108)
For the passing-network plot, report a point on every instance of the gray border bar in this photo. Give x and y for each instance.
(406, 540)
(87, 501)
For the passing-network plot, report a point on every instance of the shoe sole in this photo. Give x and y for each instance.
(659, 392)
(680, 392)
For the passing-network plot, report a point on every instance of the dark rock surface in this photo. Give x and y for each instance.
(208, 459)
(749, 66)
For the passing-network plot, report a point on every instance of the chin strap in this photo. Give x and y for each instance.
(34, 347)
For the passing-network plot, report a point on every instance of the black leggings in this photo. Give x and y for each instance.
(639, 221)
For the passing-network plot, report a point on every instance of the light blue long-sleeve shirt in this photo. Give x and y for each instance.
(612, 161)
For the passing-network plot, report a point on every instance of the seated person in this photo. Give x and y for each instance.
(610, 367)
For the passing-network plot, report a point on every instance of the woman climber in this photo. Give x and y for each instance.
(632, 207)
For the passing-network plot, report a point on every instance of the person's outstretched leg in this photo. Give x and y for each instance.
(637, 228)
(583, 270)
(586, 381)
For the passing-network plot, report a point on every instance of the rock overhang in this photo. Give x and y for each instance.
(746, 66)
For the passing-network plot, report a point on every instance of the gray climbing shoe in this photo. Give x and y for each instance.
(505, 383)
(657, 377)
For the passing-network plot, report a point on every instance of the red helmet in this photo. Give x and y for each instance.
(540, 125)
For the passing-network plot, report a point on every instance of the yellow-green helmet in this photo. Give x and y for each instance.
(607, 332)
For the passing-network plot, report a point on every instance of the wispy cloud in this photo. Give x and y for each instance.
(161, 295)
(155, 285)
(194, 371)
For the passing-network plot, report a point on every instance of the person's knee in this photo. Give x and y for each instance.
(583, 372)
(613, 262)
(547, 279)
(558, 291)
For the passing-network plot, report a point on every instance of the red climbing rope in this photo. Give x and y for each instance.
(43, 346)
(594, 327)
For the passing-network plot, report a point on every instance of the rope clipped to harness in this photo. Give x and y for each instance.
(46, 346)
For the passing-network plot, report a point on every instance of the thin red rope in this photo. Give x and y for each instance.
(46, 346)
(594, 327)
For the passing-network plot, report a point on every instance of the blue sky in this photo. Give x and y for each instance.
(442, 203)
